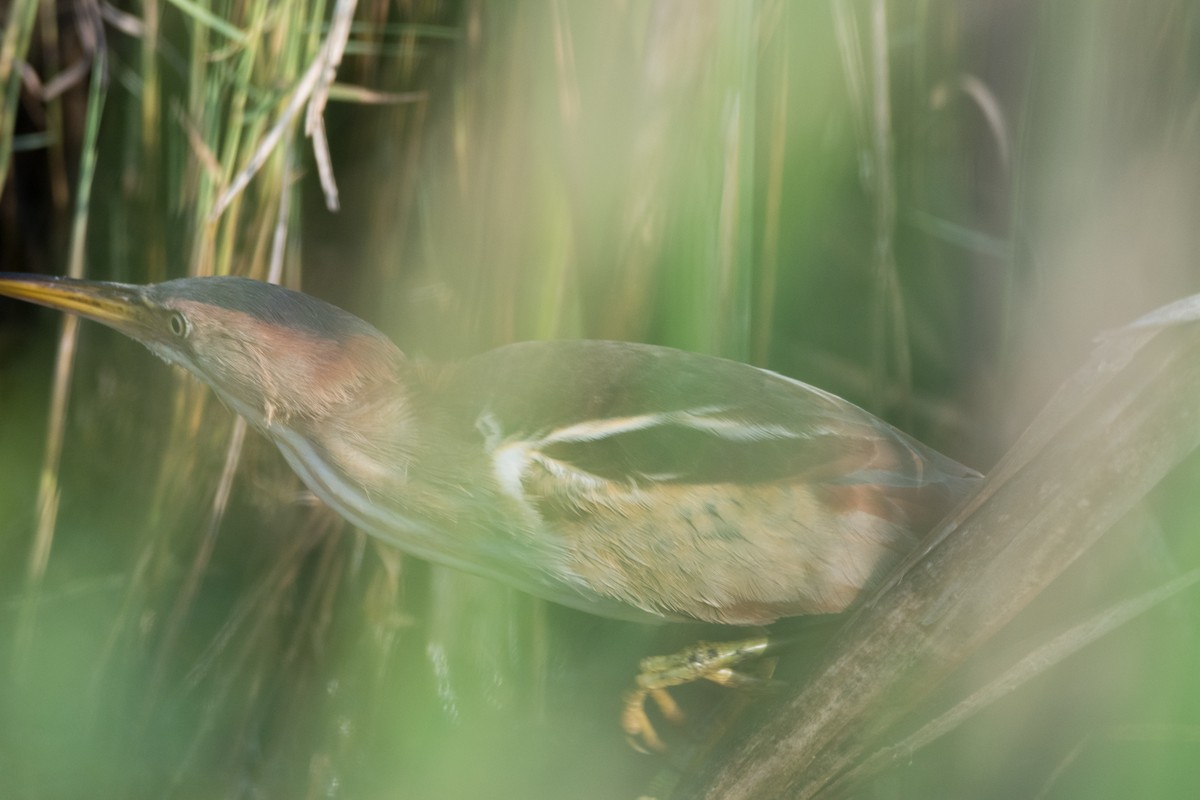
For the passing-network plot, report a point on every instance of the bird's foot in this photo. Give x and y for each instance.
(711, 661)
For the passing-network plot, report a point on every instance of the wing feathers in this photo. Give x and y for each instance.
(690, 486)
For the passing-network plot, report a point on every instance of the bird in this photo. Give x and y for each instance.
(626, 480)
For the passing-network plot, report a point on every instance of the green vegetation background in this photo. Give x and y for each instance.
(929, 208)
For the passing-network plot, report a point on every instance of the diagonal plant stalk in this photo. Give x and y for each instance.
(1108, 437)
(1034, 663)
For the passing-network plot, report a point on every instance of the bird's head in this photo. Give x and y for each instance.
(272, 354)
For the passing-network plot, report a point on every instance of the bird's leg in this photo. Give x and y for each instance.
(712, 661)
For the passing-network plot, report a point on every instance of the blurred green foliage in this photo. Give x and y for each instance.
(929, 208)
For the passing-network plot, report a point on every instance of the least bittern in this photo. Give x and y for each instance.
(622, 479)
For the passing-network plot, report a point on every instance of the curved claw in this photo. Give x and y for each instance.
(636, 723)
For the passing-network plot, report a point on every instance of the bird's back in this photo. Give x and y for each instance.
(689, 486)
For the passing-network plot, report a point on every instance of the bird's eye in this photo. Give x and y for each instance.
(178, 324)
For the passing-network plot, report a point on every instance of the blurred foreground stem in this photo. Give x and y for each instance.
(1108, 437)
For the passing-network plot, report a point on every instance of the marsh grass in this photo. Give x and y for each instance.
(927, 208)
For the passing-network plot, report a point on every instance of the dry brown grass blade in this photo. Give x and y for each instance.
(191, 585)
(312, 89)
(14, 43)
(1113, 431)
(48, 493)
(233, 452)
(48, 488)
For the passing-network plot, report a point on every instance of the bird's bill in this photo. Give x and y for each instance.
(117, 305)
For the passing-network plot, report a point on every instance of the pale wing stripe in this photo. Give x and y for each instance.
(563, 469)
(509, 462)
(511, 459)
(595, 429)
(699, 419)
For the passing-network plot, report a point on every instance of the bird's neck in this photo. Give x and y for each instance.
(358, 452)
(371, 434)
(381, 468)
